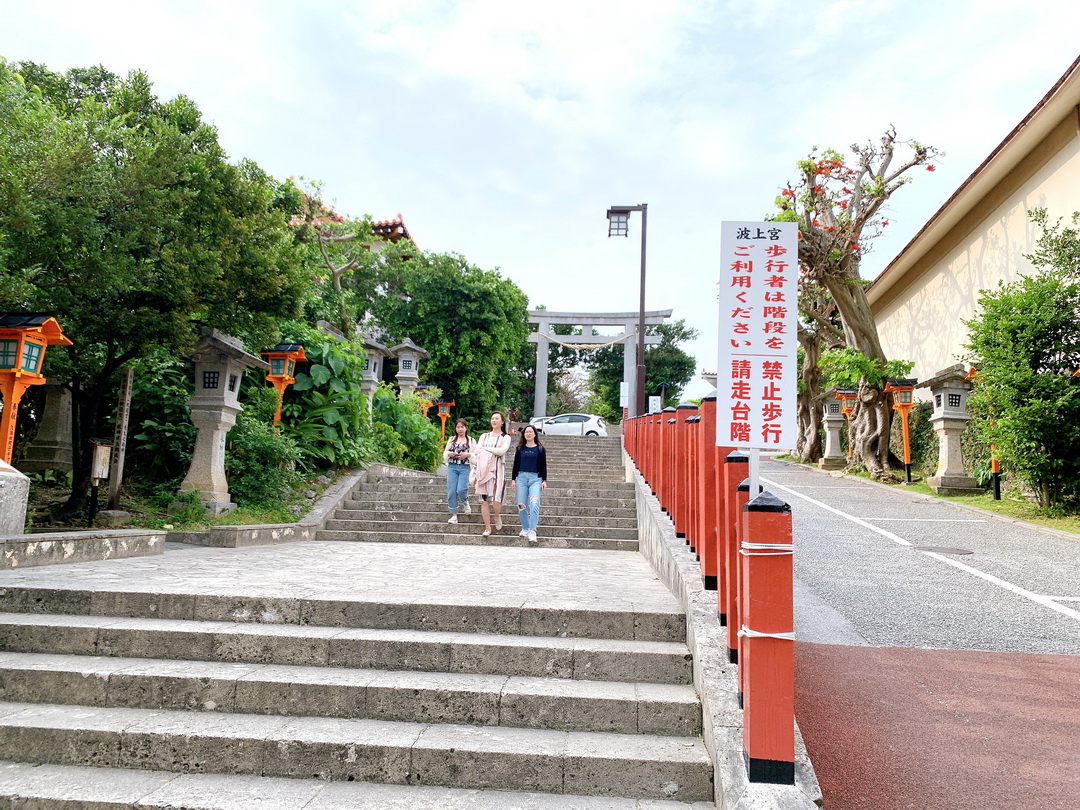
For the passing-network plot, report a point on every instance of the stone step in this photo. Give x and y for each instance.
(431, 510)
(436, 524)
(502, 614)
(560, 704)
(444, 755)
(76, 787)
(310, 645)
(589, 487)
(419, 512)
(553, 498)
(470, 535)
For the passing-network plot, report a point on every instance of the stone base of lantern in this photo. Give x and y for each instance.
(832, 463)
(954, 485)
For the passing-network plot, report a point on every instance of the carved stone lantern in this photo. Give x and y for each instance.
(950, 389)
(833, 421)
(408, 355)
(220, 362)
(376, 354)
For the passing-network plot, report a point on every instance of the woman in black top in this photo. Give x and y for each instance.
(530, 471)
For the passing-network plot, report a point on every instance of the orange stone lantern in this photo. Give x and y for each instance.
(847, 397)
(283, 359)
(23, 340)
(903, 392)
(444, 407)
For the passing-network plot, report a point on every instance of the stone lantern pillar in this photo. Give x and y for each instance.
(373, 368)
(833, 421)
(950, 389)
(219, 366)
(14, 494)
(408, 355)
(51, 448)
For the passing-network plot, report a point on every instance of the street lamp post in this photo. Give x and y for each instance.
(619, 225)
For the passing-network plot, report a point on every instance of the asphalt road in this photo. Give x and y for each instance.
(926, 679)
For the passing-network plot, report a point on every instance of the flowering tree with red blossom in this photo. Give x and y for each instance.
(838, 205)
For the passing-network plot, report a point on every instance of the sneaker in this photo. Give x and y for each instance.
(532, 537)
(523, 533)
(498, 524)
(453, 519)
(468, 508)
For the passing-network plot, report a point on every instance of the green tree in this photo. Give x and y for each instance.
(473, 322)
(122, 215)
(1025, 344)
(665, 363)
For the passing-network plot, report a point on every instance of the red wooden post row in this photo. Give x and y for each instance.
(743, 546)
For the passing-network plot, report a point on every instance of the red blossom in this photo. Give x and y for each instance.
(884, 223)
(931, 168)
(843, 204)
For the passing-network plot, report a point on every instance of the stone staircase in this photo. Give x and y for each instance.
(412, 667)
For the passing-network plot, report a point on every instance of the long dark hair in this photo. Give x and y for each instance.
(500, 413)
(536, 436)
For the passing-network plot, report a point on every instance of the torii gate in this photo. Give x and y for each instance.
(543, 337)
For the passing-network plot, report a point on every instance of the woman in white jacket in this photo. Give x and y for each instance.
(491, 471)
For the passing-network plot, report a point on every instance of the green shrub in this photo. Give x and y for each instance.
(260, 462)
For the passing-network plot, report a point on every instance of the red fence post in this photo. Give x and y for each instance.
(766, 633)
(693, 484)
(736, 466)
(681, 466)
(667, 426)
(708, 487)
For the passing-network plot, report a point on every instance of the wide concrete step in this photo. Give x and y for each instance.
(472, 535)
(421, 697)
(603, 618)
(436, 523)
(76, 787)
(445, 755)
(310, 645)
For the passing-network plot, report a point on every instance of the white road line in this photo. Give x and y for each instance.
(1039, 599)
(852, 518)
(929, 520)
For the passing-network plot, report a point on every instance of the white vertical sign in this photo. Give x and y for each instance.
(757, 369)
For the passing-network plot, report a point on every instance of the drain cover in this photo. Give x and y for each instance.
(944, 550)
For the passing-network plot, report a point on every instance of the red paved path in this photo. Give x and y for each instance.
(891, 728)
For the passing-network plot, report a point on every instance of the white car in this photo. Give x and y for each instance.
(570, 424)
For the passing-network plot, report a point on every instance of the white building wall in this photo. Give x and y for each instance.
(924, 321)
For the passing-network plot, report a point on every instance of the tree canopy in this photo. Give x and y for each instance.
(473, 322)
(122, 214)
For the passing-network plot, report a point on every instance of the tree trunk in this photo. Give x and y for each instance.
(808, 446)
(872, 418)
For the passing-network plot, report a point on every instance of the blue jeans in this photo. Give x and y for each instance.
(457, 486)
(528, 499)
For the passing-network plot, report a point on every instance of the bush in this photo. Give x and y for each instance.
(417, 445)
(260, 462)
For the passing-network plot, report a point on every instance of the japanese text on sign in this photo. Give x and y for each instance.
(756, 375)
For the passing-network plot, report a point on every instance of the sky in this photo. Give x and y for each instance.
(503, 131)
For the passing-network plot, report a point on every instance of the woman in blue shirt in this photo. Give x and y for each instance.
(530, 471)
